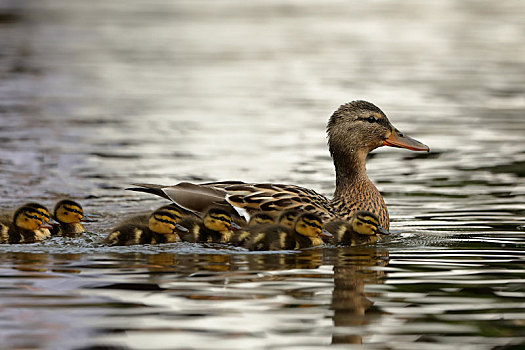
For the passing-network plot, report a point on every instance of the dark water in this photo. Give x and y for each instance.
(95, 95)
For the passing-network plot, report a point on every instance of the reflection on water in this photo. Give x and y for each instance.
(97, 95)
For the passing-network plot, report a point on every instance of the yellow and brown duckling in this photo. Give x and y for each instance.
(159, 229)
(68, 214)
(362, 228)
(239, 237)
(354, 130)
(215, 227)
(27, 225)
(306, 233)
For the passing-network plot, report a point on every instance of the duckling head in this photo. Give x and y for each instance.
(175, 210)
(309, 225)
(261, 218)
(288, 217)
(367, 224)
(40, 210)
(358, 127)
(217, 219)
(68, 212)
(29, 218)
(163, 222)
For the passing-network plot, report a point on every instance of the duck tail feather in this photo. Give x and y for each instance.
(149, 188)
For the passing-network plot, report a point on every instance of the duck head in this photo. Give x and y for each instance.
(367, 224)
(29, 218)
(309, 225)
(68, 212)
(358, 127)
(39, 210)
(177, 212)
(162, 221)
(217, 219)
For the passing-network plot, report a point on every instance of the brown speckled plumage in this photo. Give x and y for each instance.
(355, 129)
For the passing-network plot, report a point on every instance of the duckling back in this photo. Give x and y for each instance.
(270, 237)
(159, 229)
(127, 234)
(133, 233)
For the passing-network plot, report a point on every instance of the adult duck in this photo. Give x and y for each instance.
(355, 129)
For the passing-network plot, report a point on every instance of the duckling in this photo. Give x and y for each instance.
(44, 215)
(27, 225)
(306, 233)
(215, 227)
(363, 227)
(68, 214)
(160, 229)
(239, 237)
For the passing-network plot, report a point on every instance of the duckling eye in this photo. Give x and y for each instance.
(371, 119)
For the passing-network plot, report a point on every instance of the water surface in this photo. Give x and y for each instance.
(97, 95)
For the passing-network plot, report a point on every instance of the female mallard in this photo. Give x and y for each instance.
(68, 214)
(306, 233)
(159, 229)
(354, 130)
(215, 227)
(362, 228)
(28, 225)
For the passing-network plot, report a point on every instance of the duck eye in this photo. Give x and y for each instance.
(371, 119)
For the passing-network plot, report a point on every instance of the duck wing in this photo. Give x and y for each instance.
(245, 198)
(192, 197)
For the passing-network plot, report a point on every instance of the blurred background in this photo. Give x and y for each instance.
(96, 95)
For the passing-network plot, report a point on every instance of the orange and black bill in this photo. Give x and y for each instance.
(398, 139)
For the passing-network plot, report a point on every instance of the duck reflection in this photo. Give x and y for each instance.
(192, 263)
(40, 262)
(353, 269)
